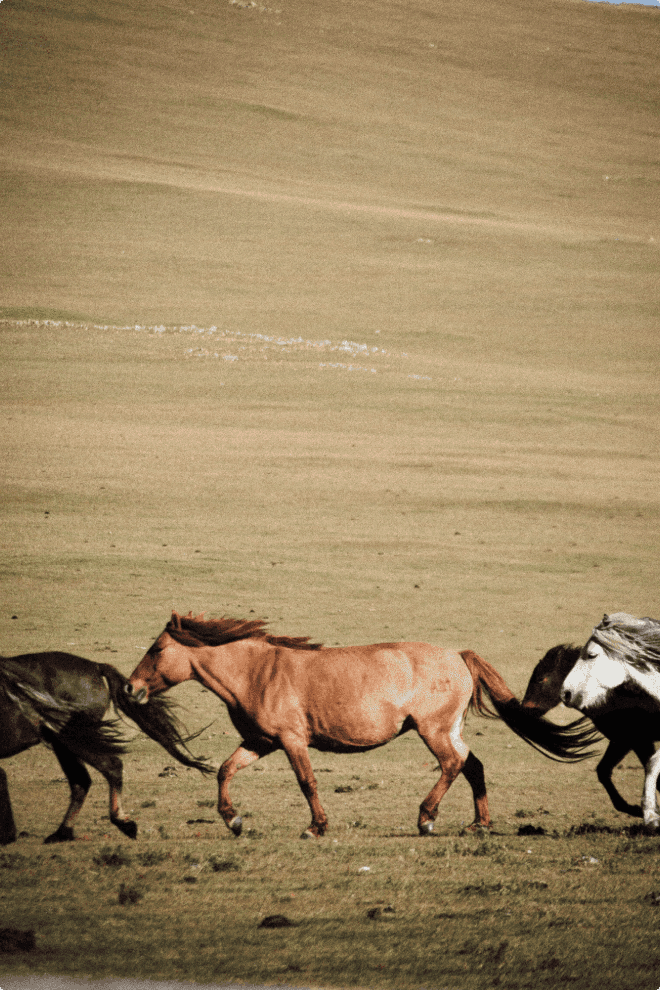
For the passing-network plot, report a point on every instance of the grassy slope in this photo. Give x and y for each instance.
(165, 166)
(296, 180)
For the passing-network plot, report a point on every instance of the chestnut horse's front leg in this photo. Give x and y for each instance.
(302, 767)
(240, 758)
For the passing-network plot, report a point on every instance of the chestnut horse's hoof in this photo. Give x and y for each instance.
(479, 828)
(426, 828)
(314, 832)
(236, 825)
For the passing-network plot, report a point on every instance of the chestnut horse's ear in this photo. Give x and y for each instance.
(198, 618)
(176, 619)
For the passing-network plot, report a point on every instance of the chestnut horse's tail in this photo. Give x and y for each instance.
(565, 743)
(155, 718)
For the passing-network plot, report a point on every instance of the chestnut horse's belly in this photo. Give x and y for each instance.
(368, 696)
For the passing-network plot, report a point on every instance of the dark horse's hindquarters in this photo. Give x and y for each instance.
(62, 700)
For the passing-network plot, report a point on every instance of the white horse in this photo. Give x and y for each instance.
(619, 668)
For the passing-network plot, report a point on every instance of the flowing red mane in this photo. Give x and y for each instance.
(197, 631)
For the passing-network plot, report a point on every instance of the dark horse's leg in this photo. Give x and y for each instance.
(621, 743)
(70, 756)
(79, 784)
(7, 826)
(242, 757)
(615, 752)
(626, 730)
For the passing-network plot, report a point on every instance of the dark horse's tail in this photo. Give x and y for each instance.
(155, 718)
(565, 743)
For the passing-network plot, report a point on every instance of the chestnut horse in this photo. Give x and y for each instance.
(285, 693)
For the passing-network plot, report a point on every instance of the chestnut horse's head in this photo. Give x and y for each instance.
(166, 663)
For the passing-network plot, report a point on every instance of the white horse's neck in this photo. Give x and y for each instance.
(647, 680)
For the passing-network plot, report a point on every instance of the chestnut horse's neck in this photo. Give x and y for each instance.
(227, 670)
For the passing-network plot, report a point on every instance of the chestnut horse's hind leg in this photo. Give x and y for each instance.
(239, 759)
(454, 757)
(473, 771)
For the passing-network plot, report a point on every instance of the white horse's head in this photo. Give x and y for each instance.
(622, 650)
(592, 680)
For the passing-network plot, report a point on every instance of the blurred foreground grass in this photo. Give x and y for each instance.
(366, 908)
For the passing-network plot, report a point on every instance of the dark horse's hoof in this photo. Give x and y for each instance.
(426, 828)
(63, 834)
(7, 835)
(128, 827)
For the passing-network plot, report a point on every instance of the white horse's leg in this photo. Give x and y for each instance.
(649, 807)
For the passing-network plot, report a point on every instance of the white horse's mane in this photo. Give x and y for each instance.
(629, 639)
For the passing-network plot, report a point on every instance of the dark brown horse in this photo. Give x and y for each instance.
(289, 694)
(62, 700)
(627, 729)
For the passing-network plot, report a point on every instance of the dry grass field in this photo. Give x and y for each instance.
(344, 316)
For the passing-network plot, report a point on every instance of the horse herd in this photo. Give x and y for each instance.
(287, 693)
